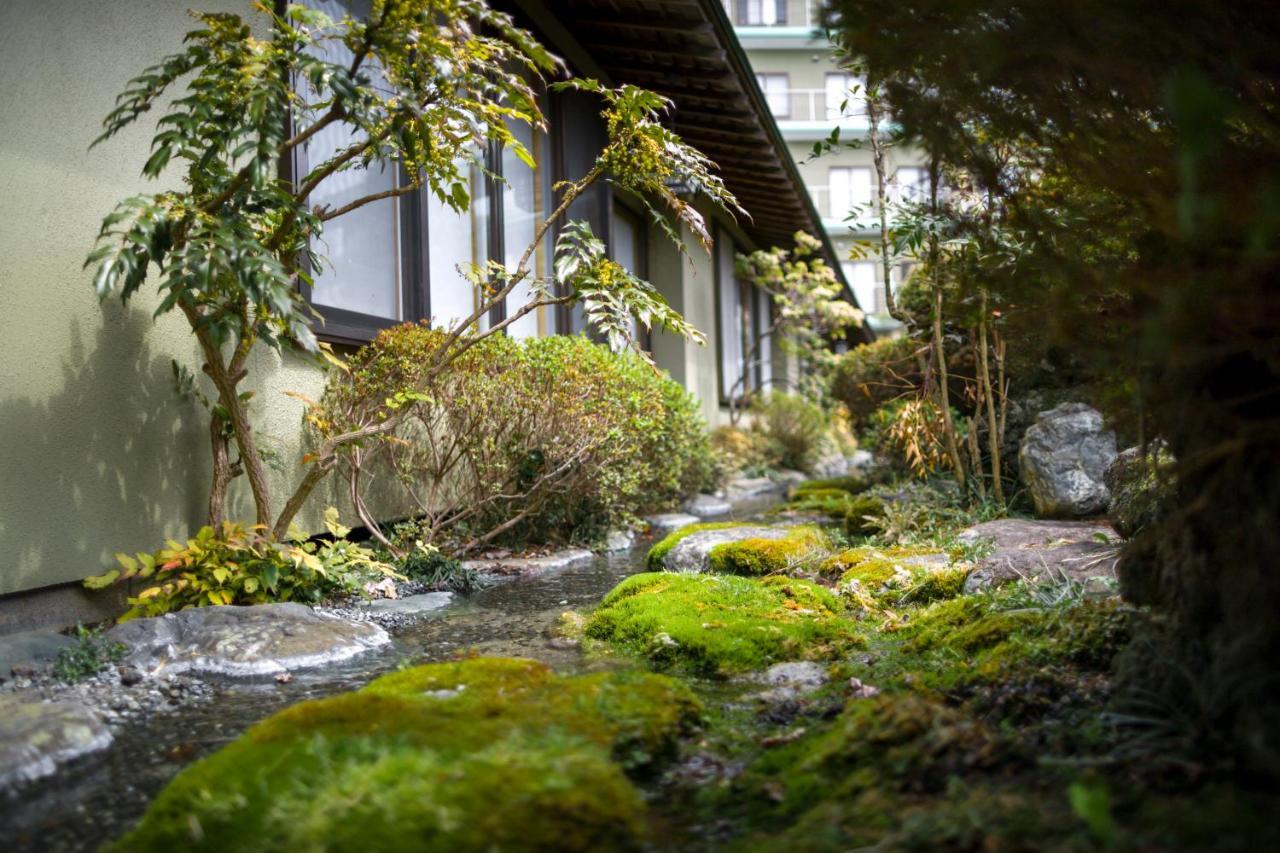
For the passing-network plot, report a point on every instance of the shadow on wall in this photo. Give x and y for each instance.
(115, 461)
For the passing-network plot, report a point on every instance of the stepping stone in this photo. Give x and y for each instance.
(411, 605)
(707, 506)
(264, 639)
(693, 552)
(750, 487)
(661, 525)
(1042, 550)
(619, 540)
(531, 567)
(37, 738)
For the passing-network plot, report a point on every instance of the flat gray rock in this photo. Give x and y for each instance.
(411, 605)
(661, 525)
(36, 738)
(693, 552)
(707, 506)
(1042, 550)
(35, 650)
(741, 488)
(244, 641)
(531, 567)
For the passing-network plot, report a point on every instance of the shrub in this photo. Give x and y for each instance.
(794, 428)
(548, 439)
(869, 376)
(428, 565)
(239, 565)
(743, 452)
(91, 654)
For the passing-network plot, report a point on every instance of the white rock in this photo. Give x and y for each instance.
(804, 673)
(619, 540)
(243, 641)
(661, 525)
(1063, 460)
(693, 552)
(427, 602)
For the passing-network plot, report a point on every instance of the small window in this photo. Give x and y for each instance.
(761, 13)
(845, 96)
(733, 323)
(629, 248)
(862, 278)
(912, 184)
(777, 93)
(849, 187)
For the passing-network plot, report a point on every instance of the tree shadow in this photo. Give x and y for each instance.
(114, 461)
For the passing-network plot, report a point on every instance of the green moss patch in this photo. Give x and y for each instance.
(658, 553)
(477, 755)
(721, 625)
(756, 557)
(849, 485)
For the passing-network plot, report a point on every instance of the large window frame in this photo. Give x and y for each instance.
(622, 208)
(763, 79)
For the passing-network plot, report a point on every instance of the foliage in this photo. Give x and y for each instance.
(459, 756)
(721, 625)
(426, 564)
(869, 376)
(240, 565)
(793, 428)
(746, 452)
(91, 654)
(809, 307)
(424, 86)
(549, 439)
(910, 432)
(1186, 236)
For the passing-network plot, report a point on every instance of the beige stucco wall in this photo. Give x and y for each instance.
(97, 453)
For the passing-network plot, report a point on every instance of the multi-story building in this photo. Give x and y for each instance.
(810, 94)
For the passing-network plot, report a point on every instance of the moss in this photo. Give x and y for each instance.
(658, 553)
(874, 568)
(768, 556)
(721, 625)
(937, 584)
(475, 755)
(886, 748)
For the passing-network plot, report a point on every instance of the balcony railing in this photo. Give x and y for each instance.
(774, 13)
(815, 105)
(837, 207)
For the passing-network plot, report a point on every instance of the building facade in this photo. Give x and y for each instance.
(100, 455)
(810, 94)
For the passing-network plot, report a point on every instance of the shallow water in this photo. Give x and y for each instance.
(98, 798)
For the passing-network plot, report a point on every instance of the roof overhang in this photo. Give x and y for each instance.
(687, 50)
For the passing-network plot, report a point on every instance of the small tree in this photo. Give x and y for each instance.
(428, 85)
(809, 308)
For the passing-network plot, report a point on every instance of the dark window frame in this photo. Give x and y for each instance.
(744, 289)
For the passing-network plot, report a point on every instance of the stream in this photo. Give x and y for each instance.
(98, 798)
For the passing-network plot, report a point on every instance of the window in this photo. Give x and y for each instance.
(761, 13)
(369, 277)
(398, 259)
(848, 187)
(912, 184)
(764, 347)
(629, 247)
(777, 93)
(733, 323)
(845, 96)
(862, 278)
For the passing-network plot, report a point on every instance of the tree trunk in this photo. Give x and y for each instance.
(874, 115)
(993, 427)
(221, 470)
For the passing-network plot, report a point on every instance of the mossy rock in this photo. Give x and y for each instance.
(848, 485)
(889, 747)
(757, 557)
(907, 575)
(658, 553)
(721, 625)
(478, 755)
